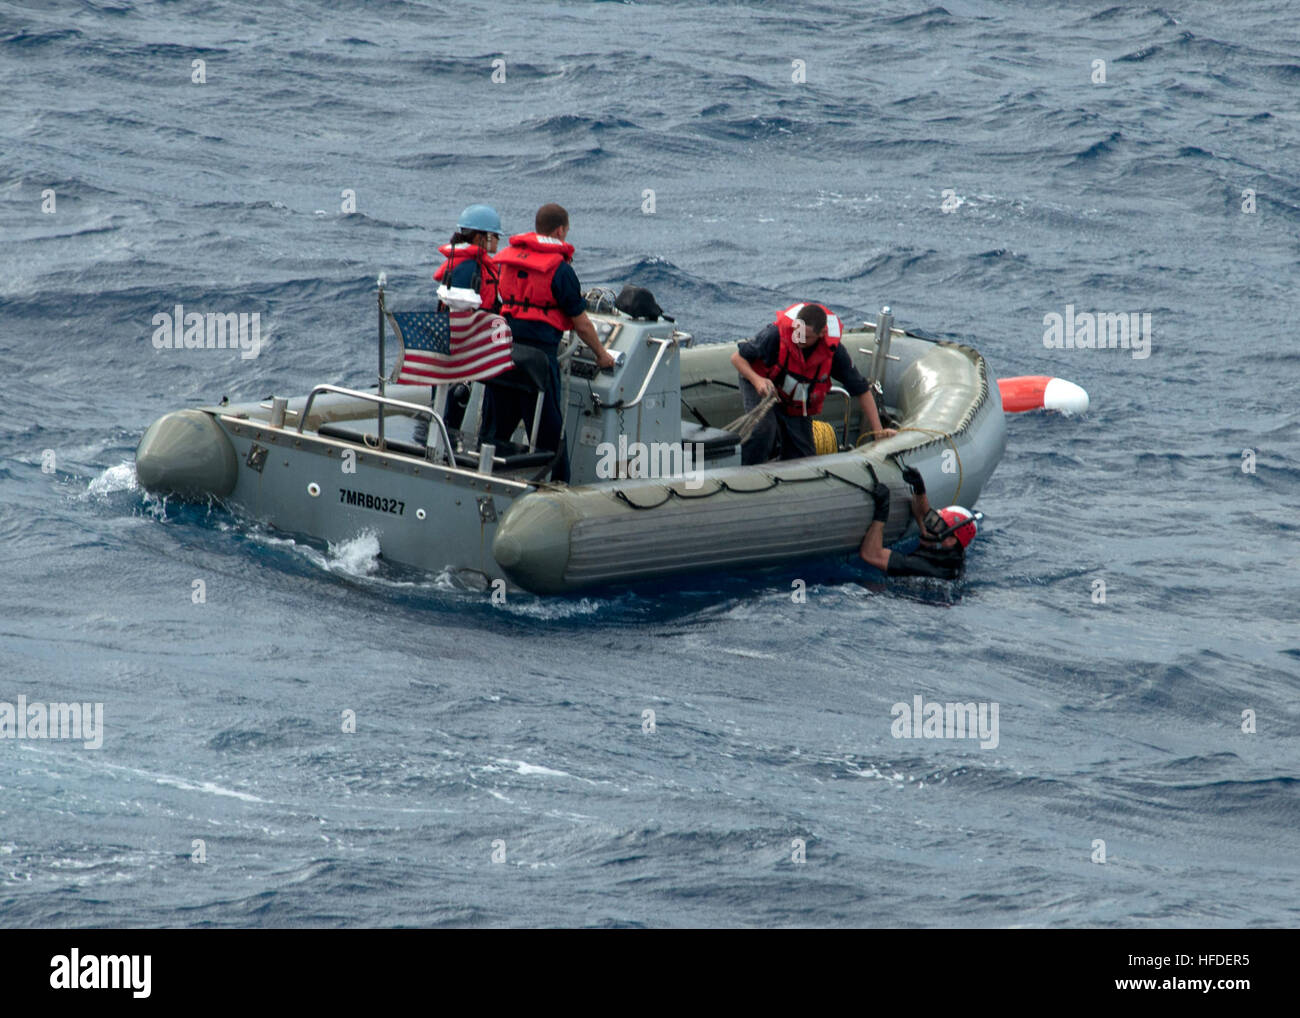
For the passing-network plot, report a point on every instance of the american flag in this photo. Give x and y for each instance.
(450, 346)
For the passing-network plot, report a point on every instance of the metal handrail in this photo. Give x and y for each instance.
(383, 401)
(884, 336)
(838, 390)
(664, 344)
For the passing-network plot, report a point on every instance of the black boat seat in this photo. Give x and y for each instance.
(507, 456)
(397, 438)
(367, 433)
(718, 444)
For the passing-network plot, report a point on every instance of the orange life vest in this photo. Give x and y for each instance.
(525, 271)
(487, 270)
(802, 376)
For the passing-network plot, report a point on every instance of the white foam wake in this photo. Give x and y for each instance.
(118, 478)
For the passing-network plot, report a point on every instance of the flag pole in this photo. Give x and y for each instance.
(383, 278)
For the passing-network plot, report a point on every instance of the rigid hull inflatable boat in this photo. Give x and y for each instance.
(340, 462)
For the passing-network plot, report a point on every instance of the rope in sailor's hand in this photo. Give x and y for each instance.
(745, 424)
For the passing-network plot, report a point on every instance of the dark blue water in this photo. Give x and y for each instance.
(523, 724)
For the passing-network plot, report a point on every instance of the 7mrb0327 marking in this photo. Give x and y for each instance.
(365, 500)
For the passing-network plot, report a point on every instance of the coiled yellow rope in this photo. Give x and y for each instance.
(824, 438)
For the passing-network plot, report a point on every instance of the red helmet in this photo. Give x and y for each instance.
(953, 515)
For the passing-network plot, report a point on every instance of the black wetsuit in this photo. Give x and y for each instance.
(938, 562)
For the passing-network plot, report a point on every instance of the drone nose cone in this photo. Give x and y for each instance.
(1039, 392)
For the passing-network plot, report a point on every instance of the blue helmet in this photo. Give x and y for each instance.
(482, 218)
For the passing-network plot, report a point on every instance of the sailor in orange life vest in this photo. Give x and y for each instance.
(796, 357)
(945, 535)
(541, 299)
(468, 265)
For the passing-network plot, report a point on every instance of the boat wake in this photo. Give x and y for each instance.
(112, 480)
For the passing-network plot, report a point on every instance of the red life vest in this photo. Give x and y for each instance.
(802, 376)
(526, 269)
(487, 270)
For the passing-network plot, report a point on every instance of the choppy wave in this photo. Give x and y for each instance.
(351, 740)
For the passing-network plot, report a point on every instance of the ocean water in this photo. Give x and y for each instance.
(1130, 606)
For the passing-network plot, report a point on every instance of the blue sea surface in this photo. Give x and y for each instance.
(1131, 604)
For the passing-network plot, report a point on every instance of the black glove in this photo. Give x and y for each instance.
(913, 477)
(880, 495)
